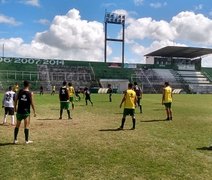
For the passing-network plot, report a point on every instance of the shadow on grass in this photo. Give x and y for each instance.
(7, 144)
(48, 119)
(106, 130)
(205, 148)
(155, 120)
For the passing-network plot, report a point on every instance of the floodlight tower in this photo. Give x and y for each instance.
(113, 18)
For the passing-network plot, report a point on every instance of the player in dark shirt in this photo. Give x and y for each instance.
(139, 94)
(64, 100)
(24, 100)
(41, 90)
(87, 96)
(110, 92)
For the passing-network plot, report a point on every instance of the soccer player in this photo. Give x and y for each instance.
(8, 105)
(138, 92)
(53, 90)
(167, 100)
(71, 94)
(24, 100)
(110, 92)
(41, 90)
(129, 100)
(16, 87)
(87, 96)
(64, 100)
(77, 93)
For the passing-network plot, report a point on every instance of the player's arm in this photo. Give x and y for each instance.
(135, 101)
(32, 104)
(16, 102)
(123, 99)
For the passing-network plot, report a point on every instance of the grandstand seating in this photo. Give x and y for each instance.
(83, 74)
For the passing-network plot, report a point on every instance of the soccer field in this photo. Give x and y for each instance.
(87, 147)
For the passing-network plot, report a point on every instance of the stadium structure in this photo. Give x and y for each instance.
(181, 66)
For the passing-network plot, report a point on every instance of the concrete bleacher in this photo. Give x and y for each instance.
(197, 81)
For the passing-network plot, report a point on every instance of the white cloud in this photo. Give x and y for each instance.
(138, 2)
(8, 20)
(198, 7)
(43, 21)
(35, 3)
(71, 37)
(157, 5)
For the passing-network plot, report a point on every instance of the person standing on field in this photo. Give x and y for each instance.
(167, 100)
(24, 100)
(53, 90)
(8, 105)
(110, 92)
(129, 100)
(64, 100)
(87, 96)
(139, 94)
(71, 94)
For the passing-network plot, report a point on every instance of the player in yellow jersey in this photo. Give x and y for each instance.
(167, 100)
(16, 88)
(71, 92)
(129, 100)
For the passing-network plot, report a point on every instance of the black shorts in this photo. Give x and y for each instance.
(9, 110)
(130, 112)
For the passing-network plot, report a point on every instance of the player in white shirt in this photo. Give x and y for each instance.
(8, 105)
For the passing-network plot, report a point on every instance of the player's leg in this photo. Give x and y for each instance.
(167, 114)
(5, 115)
(90, 101)
(110, 97)
(69, 114)
(139, 104)
(72, 102)
(123, 120)
(132, 113)
(170, 111)
(11, 113)
(26, 129)
(16, 130)
(61, 110)
(86, 101)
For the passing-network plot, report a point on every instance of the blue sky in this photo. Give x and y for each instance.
(31, 25)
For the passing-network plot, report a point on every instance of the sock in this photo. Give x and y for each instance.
(26, 132)
(122, 122)
(69, 114)
(133, 120)
(16, 133)
(5, 118)
(12, 119)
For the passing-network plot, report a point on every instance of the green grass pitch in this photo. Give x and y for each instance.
(88, 148)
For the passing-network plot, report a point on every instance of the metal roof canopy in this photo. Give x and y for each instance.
(181, 52)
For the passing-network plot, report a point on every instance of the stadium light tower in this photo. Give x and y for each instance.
(113, 18)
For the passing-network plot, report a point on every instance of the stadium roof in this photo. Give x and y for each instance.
(179, 51)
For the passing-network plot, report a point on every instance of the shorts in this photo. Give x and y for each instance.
(9, 110)
(168, 105)
(130, 112)
(64, 105)
(21, 117)
(71, 99)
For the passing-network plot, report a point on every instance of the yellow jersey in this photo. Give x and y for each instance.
(71, 91)
(130, 97)
(167, 95)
